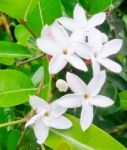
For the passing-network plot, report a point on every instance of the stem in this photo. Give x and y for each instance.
(13, 122)
(29, 60)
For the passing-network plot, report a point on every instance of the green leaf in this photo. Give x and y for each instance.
(12, 50)
(22, 34)
(15, 88)
(3, 131)
(123, 100)
(32, 13)
(76, 139)
(12, 140)
(46, 91)
(96, 6)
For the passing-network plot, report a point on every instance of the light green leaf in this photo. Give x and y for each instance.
(32, 13)
(92, 139)
(123, 99)
(46, 91)
(15, 88)
(12, 50)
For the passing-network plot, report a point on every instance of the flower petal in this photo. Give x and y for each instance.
(111, 47)
(104, 37)
(60, 34)
(56, 64)
(79, 15)
(96, 20)
(38, 103)
(70, 101)
(96, 83)
(56, 109)
(76, 84)
(46, 31)
(86, 117)
(95, 39)
(101, 101)
(110, 65)
(76, 62)
(78, 35)
(33, 120)
(82, 49)
(68, 23)
(47, 46)
(95, 66)
(41, 132)
(58, 123)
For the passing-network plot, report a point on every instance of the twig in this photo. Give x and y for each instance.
(29, 60)
(13, 122)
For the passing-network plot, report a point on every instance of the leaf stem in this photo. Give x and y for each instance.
(29, 60)
(13, 122)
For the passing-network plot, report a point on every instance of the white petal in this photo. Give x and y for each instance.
(86, 117)
(46, 31)
(104, 37)
(68, 23)
(101, 101)
(95, 39)
(79, 15)
(33, 120)
(96, 83)
(82, 49)
(110, 65)
(78, 35)
(97, 19)
(41, 132)
(70, 101)
(56, 110)
(111, 47)
(38, 103)
(76, 84)
(95, 66)
(56, 64)
(47, 46)
(60, 34)
(62, 85)
(76, 62)
(58, 123)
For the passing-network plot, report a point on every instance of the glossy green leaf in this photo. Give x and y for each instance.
(13, 139)
(96, 6)
(15, 88)
(22, 34)
(76, 139)
(46, 91)
(32, 13)
(12, 50)
(123, 99)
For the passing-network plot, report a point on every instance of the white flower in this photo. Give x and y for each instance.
(48, 116)
(62, 50)
(80, 23)
(85, 96)
(62, 85)
(99, 52)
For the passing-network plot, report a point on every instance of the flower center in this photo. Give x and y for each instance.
(95, 54)
(65, 52)
(46, 114)
(86, 96)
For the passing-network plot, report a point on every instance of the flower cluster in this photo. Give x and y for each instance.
(73, 41)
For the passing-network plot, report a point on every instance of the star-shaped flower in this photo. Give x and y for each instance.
(99, 52)
(80, 24)
(61, 47)
(85, 96)
(48, 116)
